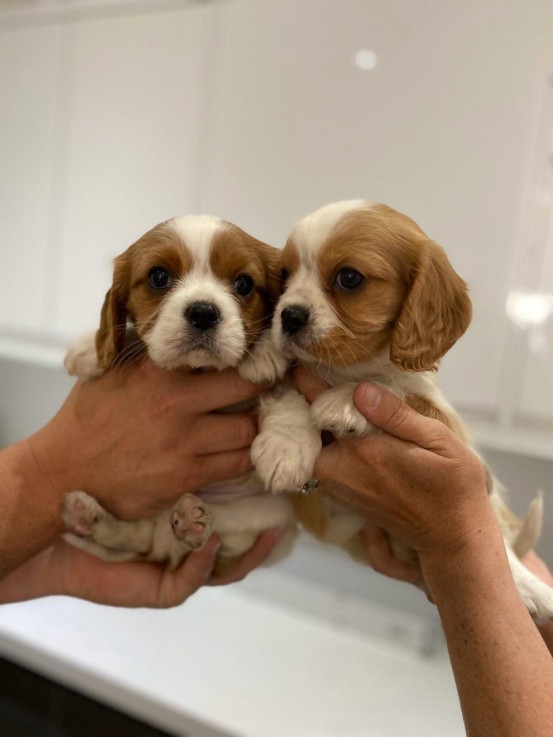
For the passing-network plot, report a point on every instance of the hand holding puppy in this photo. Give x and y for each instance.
(416, 479)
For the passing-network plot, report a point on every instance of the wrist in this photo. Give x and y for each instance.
(458, 569)
(53, 463)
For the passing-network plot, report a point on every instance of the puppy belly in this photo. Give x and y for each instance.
(224, 492)
(239, 522)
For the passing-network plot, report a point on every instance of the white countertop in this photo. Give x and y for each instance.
(233, 662)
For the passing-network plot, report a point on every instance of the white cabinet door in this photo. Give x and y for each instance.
(30, 60)
(536, 400)
(439, 128)
(134, 145)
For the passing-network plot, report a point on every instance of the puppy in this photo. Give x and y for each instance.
(368, 296)
(194, 292)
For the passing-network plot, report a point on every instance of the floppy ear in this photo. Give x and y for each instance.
(435, 313)
(110, 336)
(271, 263)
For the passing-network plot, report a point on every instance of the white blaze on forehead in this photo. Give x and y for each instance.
(311, 233)
(197, 233)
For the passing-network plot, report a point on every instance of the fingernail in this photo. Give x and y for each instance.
(371, 395)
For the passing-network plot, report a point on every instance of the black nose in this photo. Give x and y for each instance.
(203, 315)
(294, 318)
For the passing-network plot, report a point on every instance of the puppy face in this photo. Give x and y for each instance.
(198, 290)
(362, 278)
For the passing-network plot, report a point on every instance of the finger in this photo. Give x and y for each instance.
(216, 389)
(308, 384)
(221, 433)
(190, 576)
(382, 558)
(395, 417)
(255, 556)
(223, 466)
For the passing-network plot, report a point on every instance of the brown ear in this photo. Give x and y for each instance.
(434, 315)
(110, 336)
(271, 262)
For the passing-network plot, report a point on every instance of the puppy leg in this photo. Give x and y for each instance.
(288, 444)
(85, 518)
(107, 554)
(265, 363)
(335, 410)
(241, 521)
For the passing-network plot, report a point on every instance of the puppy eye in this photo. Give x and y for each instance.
(159, 278)
(284, 275)
(244, 285)
(348, 279)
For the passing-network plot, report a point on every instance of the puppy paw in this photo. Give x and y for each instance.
(81, 359)
(335, 411)
(284, 463)
(264, 365)
(191, 521)
(82, 515)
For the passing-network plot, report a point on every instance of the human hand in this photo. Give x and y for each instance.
(139, 437)
(66, 570)
(416, 479)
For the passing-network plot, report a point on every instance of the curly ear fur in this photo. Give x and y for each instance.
(434, 314)
(110, 336)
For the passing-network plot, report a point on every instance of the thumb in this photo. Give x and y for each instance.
(394, 416)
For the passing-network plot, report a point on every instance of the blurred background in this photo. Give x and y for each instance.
(118, 114)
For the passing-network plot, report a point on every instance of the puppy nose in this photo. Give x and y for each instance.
(203, 315)
(294, 318)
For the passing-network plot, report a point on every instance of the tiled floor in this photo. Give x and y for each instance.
(32, 706)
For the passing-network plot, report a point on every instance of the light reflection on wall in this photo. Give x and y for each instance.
(531, 311)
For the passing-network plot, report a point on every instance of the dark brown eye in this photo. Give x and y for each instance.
(348, 279)
(244, 285)
(284, 275)
(159, 278)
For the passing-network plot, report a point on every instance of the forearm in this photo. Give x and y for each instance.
(30, 505)
(503, 670)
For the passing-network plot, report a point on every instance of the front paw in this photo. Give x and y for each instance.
(82, 515)
(285, 463)
(335, 411)
(266, 365)
(191, 521)
(81, 359)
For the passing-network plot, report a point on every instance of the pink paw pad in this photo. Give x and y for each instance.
(80, 514)
(190, 521)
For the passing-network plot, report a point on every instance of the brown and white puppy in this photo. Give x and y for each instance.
(368, 296)
(194, 292)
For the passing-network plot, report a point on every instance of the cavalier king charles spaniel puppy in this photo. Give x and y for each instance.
(194, 292)
(368, 296)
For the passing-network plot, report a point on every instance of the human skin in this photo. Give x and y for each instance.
(136, 438)
(418, 481)
(64, 570)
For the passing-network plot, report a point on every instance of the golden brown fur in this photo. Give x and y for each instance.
(233, 252)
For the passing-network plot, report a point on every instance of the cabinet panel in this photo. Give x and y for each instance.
(135, 136)
(536, 402)
(29, 66)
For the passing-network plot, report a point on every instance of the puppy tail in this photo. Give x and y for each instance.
(531, 528)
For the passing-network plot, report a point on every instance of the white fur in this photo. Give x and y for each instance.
(172, 344)
(286, 449)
